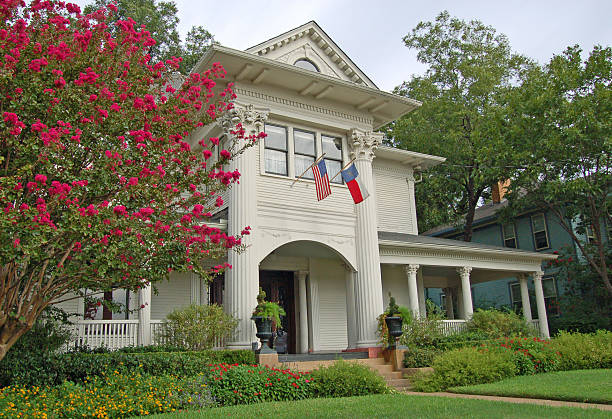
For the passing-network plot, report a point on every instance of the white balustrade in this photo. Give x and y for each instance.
(450, 327)
(111, 334)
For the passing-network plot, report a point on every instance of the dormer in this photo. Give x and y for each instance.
(310, 48)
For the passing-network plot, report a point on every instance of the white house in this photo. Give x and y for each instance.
(330, 263)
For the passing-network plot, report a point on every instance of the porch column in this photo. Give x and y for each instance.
(144, 315)
(460, 310)
(421, 294)
(196, 293)
(468, 308)
(525, 297)
(411, 272)
(450, 304)
(541, 304)
(301, 277)
(368, 284)
(242, 281)
(350, 308)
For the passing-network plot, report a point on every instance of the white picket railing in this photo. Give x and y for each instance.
(111, 334)
(450, 327)
(157, 328)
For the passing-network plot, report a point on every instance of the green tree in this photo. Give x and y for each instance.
(469, 68)
(99, 187)
(160, 18)
(564, 111)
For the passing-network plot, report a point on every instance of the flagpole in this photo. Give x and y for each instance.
(309, 167)
(347, 165)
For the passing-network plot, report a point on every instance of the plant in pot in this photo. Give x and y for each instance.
(264, 314)
(390, 322)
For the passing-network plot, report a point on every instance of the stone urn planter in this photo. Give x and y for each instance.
(264, 332)
(394, 325)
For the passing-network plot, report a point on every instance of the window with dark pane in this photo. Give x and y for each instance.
(515, 297)
(509, 235)
(332, 147)
(540, 235)
(304, 152)
(550, 296)
(306, 65)
(275, 145)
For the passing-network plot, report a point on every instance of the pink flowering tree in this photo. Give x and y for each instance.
(101, 185)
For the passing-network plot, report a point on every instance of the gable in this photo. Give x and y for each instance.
(310, 42)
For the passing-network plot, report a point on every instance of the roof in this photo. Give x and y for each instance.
(487, 212)
(241, 66)
(419, 161)
(385, 237)
(314, 31)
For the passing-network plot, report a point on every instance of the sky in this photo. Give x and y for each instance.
(371, 32)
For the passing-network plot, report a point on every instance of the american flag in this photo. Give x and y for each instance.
(319, 172)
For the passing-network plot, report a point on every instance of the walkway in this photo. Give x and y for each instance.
(545, 402)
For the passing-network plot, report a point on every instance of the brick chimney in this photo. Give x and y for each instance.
(498, 190)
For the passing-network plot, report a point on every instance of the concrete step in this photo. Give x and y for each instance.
(399, 383)
(393, 375)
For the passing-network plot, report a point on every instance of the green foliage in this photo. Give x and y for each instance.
(32, 353)
(420, 356)
(584, 351)
(268, 309)
(470, 66)
(423, 332)
(495, 324)
(197, 327)
(392, 310)
(346, 379)
(78, 366)
(465, 366)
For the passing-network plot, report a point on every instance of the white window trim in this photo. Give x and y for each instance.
(533, 232)
(513, 236)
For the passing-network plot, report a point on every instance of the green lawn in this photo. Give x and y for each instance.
(390, 406)
(593, 386)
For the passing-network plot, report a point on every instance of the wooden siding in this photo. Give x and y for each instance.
(395, 205)
(171, 295)
(332, 305)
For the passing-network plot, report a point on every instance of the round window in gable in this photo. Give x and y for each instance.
(306, 64)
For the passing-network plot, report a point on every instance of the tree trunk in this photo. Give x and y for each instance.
(10, 331)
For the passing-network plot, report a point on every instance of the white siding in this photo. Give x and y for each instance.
(71, 306)
(171, 295)
(332, 304)
(396, 210)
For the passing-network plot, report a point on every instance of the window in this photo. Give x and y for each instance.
(550, 296)
(275, 145)
(304, 143)
(443, 301)
(590, 234)
(515, 297)
(509, 233)
(118, 297)
(540, 235)
(306, 64)
(332, 147)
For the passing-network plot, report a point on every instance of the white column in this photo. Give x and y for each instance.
(460, 310)
(541, 304)
(468, 308)
(368, 284)
(144, 315)
(421, 292)
(525, 297)
(411, 272)
(313, 313)
(450, 305)
(351, 326)
(301, 277)
(242, 281)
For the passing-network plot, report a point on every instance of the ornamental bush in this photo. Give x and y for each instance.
(465, 366)
(198, 327)
(102, 185)
(496, 324)
(346, 379)
(583, 351)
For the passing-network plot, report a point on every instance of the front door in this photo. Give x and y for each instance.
(278, 286)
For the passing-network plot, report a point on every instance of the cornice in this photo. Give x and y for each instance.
(286, 101)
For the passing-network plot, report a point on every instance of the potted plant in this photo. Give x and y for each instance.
(390, 322)
(264, 314)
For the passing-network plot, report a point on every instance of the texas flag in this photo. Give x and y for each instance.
(358, 191)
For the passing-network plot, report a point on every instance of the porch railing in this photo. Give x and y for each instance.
(450, 327)
(111, 334)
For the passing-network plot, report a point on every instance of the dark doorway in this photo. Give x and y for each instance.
(278, 286)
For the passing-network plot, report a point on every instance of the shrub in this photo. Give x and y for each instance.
(232, 384)
(423, 332)
(583, 351)
(531, 355)
(346, 379)
(496, 324)
(197, 327)
(33, 352)
(419, 357)
(465, 366)
(77, 367)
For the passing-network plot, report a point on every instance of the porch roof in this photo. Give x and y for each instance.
(400, 248)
